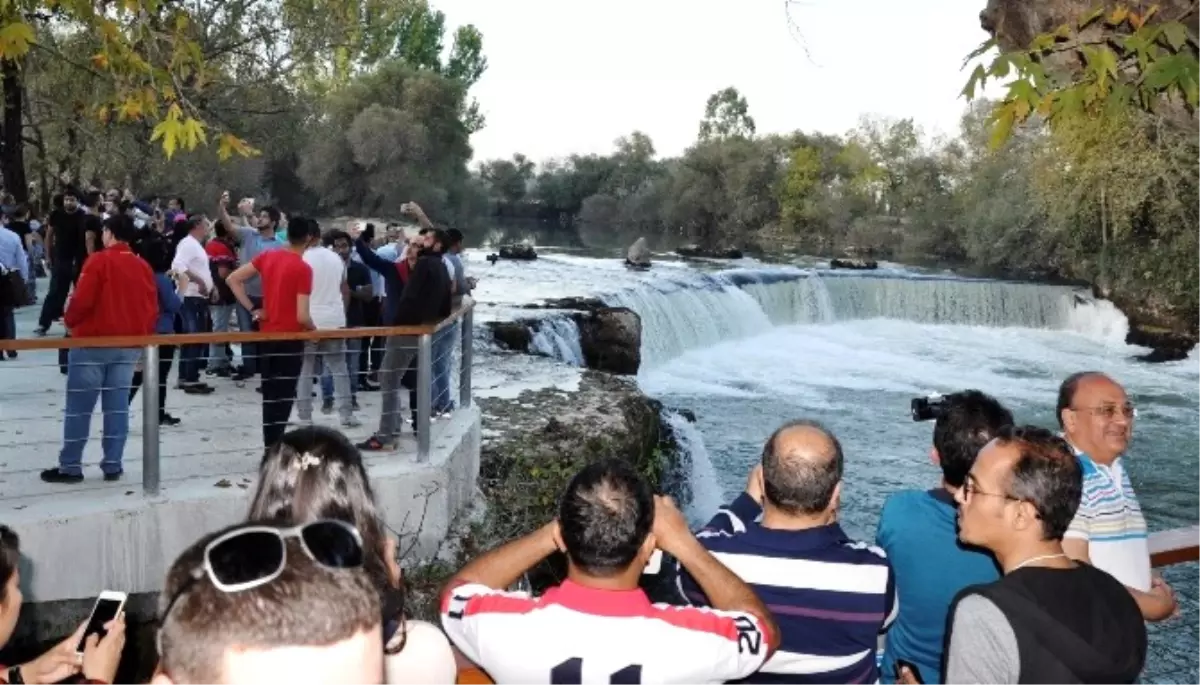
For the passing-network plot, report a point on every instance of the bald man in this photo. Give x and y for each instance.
(830, 595)
(1108, 530)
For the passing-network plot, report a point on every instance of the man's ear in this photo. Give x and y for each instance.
(648, 546)
(556, 534)
(161, 678)
(1070, 420)
(934, 457)
(835, 500)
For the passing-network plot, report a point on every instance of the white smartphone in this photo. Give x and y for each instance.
(108, 605)
(654, 565)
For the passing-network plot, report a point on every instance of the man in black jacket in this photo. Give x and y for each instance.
(1049, 619)
(417, 295)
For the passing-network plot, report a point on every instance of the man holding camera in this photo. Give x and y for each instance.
(598, 625)
(918, 530)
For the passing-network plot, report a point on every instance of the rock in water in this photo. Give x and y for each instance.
(611, 339)
(861, 264)
(709, 253)
(514, 335)
(639, 254)
(518, 252)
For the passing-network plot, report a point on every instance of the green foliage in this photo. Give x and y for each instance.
(726, 114)
(1100, 66)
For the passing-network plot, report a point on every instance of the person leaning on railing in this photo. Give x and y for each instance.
(116, 296)
(100, 656)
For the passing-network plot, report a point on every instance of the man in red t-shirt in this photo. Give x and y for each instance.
(286, 284)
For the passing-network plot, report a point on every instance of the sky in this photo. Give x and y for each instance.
(571, 76)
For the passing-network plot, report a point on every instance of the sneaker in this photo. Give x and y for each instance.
(165, 419)
(374, 444)
(225, 372)
(112, 477)
(40, 332)
(327, 405)
(55, 476)
(241, 375)
(11, 354)
(197, 389)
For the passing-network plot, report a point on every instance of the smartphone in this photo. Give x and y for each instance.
(654, 565)
(108, 605)
(901, 663)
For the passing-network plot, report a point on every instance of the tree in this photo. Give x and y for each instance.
(159, 65)
(726, 115)
(508, 180)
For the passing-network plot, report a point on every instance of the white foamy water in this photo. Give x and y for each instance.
(706, 494)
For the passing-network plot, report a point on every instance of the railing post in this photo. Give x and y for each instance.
(150, 412)
(464, 374)
(424, 393)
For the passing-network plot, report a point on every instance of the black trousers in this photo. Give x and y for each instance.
(166, 355)
(63, 275)
(279, 362)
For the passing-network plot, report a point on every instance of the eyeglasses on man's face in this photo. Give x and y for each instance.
(1110, 412)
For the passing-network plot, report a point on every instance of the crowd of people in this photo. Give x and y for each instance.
(1028, 562)
(119, 266)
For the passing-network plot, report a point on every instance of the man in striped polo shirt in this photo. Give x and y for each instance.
(1109, 531)
(831, 596)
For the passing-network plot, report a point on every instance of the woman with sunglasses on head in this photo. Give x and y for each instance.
(316, 473)
(100, 657)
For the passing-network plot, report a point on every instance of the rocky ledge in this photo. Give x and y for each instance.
(609, 337)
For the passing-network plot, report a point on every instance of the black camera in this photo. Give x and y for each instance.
(928, 408)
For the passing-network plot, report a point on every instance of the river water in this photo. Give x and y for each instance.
(749, 347)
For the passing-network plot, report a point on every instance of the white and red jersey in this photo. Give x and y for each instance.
(575, 634)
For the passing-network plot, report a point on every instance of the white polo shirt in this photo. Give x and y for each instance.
(325, 304)
(576, 634)
(190, 256)
(1110, 520)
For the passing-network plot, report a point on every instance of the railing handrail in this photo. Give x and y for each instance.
(218, 338)
(1175, 546)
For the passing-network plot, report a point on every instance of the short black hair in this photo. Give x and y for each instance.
(604, 516)
(1047, 475)
(273, 214)
(1066, 392)
(969, 420)
(121, 227)
(10, 557)
(314, 229)
(439, 238)
(298, 230)
(154, 248)
(92, 198)
(801, 485)
(454, 236)
(336, 235)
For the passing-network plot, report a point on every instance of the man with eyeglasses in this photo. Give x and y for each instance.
(1050, 619)
(1109, 530)
(255, 603)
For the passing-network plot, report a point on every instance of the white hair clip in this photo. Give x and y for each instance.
(307, 460)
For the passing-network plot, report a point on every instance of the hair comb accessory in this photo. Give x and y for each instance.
(308, 459)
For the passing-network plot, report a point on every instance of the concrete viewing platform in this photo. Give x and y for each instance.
(77, 540)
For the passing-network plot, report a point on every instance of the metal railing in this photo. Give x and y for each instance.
(416, 343)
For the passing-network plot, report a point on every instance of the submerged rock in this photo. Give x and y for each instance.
(513, 335)
(709, 253)
(518, 252)
(861, 264)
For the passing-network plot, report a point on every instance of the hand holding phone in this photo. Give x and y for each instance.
(108, 606)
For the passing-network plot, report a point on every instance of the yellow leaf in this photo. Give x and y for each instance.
(103, 114)
(15, 38)
(230, 144)
(100, 60)
(1118, 15)
(130, 109)
(168, 129)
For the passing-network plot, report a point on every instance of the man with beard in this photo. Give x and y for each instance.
(423, 300)
(65, 251)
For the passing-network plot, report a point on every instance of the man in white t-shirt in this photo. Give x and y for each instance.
(1109, 530)
(191, 260)
(327, 305)
(598, 625)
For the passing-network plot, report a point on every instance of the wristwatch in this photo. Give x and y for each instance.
(14, 676)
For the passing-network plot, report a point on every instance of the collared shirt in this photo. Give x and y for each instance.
(325, 304)
(116, 295)
(830, 595)
(190, 257)
(12, 253)
(1110, 520)
(576, 634)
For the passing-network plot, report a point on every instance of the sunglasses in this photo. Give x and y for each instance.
(255, 555)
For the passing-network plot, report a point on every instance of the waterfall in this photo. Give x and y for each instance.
(696, 468)
(691, 310)
(557, 337)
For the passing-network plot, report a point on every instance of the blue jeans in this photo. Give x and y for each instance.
(245, 325)
(190, 356)
(221, 313)
(91, 374)
(353, 349)
(443, 349)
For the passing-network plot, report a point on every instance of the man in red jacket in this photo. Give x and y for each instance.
(116, 296)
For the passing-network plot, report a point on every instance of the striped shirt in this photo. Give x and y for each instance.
(1110, 520)
(577, 634)
(830, 595)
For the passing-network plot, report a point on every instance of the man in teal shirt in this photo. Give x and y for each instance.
(918, 529)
